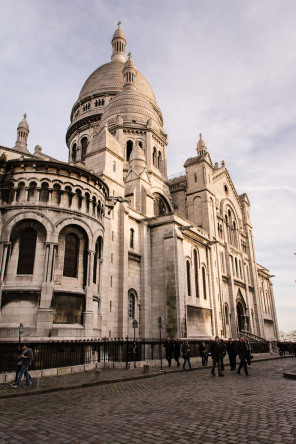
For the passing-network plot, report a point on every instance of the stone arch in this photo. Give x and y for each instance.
(73, 221)
(43, 220)
(241, 312)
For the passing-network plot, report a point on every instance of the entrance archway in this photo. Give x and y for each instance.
(240, 316)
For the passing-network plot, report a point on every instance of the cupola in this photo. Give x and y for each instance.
(129, 73)
(22, 135)
(118, 45)
(201, 147)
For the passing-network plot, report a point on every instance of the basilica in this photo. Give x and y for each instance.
(90, 245)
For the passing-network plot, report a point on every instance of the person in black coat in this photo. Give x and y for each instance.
(242, 351)
(169, 348)
(177, 351)
(203, 351)
(231, 350)
(216, 356)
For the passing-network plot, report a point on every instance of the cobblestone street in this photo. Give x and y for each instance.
(179, 407)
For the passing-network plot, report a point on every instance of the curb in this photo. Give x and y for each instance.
(128, 379)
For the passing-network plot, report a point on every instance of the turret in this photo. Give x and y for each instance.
(129, 73)
(118, 45)
(22, 135)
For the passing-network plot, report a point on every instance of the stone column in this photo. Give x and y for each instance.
(45, 311)
(88, 316)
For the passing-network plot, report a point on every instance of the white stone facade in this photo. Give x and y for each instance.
(90, 245)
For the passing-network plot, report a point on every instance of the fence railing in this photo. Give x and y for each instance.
(70, 353)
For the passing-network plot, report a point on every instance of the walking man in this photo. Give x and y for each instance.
(177, 351)
(216, 356)
(231, 350)
(242, 352)
(26, 360)
(169, 348)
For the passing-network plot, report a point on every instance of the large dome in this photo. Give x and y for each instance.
(108, 78)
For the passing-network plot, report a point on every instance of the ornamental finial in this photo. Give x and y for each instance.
(119, 23)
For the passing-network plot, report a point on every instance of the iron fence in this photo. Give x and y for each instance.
(70, 353)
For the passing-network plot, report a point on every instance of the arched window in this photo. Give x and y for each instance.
(131, 305)
(226, 314)
(188, 278)
(32, 191)
(114, 166)
(74, 152)
(204, 284)
(129, 149)
(160, 205)
(236, 268)
(44, 192)
(195, 177)
(154, 157)
(97, 257)
(71, 255)
(84, 144)
(195, 263)
(27, 252)
(132, 237)
(159, 161)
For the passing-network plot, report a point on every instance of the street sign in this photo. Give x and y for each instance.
(160, 322)
(135, 324)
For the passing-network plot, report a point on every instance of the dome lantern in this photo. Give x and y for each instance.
(201, 147)
(129, 73)
(22, 135)
(118, 45)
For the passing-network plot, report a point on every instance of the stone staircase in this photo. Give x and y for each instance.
(251, 337)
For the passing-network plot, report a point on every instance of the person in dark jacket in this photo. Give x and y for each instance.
(216, 356)
(231, 350)
(186, 353)
(242, 351)
(203, 351)
(169, 348)
(177, 351)
(223, 352)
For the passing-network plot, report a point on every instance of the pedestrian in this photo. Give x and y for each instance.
(203, 351)
(216, 356)
(18, 369)
(249, 353)
(231, 350)
(26, 360)
(177, 351)
(242, 351)
(186, 352)
(223, 353)
(169, 348)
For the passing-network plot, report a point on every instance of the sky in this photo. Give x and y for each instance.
(223, 68)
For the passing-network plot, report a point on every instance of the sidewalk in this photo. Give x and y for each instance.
(106, 376)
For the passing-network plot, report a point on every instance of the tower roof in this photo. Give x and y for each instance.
(201, 147)
(118, 33)
(24, 124)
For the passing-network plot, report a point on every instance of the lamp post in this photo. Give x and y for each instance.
(21, 331)
(160, 322)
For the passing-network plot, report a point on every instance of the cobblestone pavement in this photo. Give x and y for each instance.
(176, 407)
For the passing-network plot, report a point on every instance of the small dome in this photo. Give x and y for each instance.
(129, 64)
(24, 124)
(201, 147)
(118, 33)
